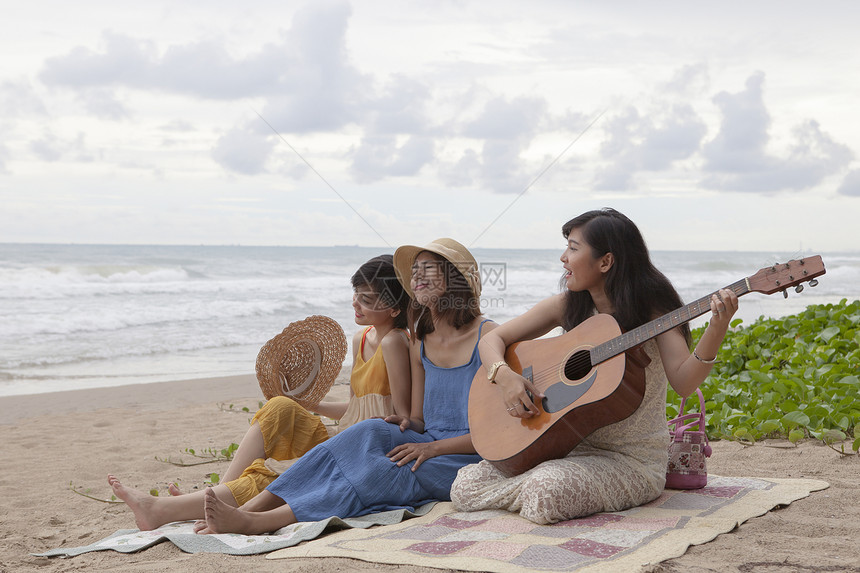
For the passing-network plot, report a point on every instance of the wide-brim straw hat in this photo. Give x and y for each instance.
(449, 249)
(303, 361)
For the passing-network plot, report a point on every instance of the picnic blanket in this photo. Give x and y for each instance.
(437, 535)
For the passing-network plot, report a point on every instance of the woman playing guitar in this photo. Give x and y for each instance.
(623, 464)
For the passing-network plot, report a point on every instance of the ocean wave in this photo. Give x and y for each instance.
(58, 276)
(93, 317)
(69, 355)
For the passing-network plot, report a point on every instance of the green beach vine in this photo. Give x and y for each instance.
(794, 377)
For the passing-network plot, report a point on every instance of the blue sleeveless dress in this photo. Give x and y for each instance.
(350, 475)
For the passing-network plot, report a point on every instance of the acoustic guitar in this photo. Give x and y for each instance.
(591, 376)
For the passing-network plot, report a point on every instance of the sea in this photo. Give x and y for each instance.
(90, 316)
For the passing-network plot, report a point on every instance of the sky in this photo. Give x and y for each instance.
(714, 126)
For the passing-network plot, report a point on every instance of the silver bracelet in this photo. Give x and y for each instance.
(702, 360)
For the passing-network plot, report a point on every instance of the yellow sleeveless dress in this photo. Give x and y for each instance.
(289, 430)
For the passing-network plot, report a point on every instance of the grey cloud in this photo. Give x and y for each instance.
(637, 143)
(502, 168)
(464, 172)
(178, 125)
(19, 99)
(850, 184)
(400, 108)
(51, 148)
(243, 150)
(507, 128)
(501, 118)
(688, 79)
(103, 104)
(307, 74)
(47, 148)
(380, 156)
(4, 158)
(738, 161)
(739, 145)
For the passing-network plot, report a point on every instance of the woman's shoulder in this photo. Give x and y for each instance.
(394, 340)
(356, 342)
(486, 324)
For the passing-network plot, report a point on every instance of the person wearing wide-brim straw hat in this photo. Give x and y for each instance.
(399, 462)
(449, 249)
(295, 370)
(446, 278)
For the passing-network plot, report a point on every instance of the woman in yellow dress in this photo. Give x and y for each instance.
(282, 430)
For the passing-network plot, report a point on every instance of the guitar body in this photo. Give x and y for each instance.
(580, 397)
(592, 376)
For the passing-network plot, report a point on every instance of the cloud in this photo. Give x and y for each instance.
(19, 99)
(507, 128)
(4, 157)
(243, 149)
(463, 172)
(689, 79)
(651, 143)
(51, 148)
(400, 108)
(103, 104)
(47, 148)
(737, 159)
(850, 184)
(307, 76)
(380, 156)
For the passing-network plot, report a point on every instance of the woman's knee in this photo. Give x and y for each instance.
(280, 403)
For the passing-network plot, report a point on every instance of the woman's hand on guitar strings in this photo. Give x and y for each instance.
(519, 393)
(724, 304)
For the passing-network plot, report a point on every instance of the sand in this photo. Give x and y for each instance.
(78, 437)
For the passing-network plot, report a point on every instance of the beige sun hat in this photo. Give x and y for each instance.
(303, 361)
(450, 250)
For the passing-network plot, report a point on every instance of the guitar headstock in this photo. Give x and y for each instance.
(781, 276)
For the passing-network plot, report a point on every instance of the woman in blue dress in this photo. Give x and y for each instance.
(399, 462)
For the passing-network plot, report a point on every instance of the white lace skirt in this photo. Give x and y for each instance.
(587, 481)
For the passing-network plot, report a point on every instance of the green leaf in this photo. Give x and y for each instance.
(856, 445)
(153, 492)
(795, 436)
(851, 380)
(741, 433)
(833, 436)
(769, 426)
(795, 418)
(828, 333)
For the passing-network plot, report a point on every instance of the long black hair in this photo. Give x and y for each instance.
(638, 291)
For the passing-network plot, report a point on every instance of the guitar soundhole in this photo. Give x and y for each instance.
(578, 365)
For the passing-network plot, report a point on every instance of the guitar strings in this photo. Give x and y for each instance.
(581, 360)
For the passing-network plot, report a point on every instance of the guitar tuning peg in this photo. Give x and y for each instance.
(813, 283)
(798, 288)
(784, 294)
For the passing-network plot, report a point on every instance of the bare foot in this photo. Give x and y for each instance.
(223, 518)
(174, 490)
(142, 504)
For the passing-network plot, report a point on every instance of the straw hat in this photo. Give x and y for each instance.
(303, 361)
(450, 250)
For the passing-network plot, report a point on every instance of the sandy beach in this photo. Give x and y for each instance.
(53, 440)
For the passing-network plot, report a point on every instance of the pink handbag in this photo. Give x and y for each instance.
(688, 449)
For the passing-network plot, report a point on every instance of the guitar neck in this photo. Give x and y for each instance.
(658, 326)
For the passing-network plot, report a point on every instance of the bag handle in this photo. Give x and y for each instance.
(701, 403)
(693, 419)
